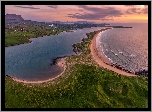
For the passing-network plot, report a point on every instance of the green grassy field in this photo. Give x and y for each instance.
(17, 37)
(83, 85)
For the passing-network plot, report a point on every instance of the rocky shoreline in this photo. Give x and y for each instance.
(61, 62)
(99, 59)
(115, 66)
(76, 49)
(143, 72)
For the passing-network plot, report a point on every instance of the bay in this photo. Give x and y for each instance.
(32, 61)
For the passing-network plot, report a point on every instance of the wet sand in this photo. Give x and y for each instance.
(98, 58)
(60, 63)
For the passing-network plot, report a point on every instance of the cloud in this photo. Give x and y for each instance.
(84, 16)
(133, 10)
(130, 5)
(80, 10)
(145, 5)
(26, 7)
(93, 9)
(137, 10)
(95, 13)
(53, 6)
(89, 16)
(145, 10)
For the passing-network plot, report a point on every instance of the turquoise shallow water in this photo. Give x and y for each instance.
(31, 61)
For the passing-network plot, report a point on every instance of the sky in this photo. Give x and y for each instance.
(90, 13)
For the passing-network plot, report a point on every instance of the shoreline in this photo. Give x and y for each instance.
(98, 58)
(61, 62)
(29, 41)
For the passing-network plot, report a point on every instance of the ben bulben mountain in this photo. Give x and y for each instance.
(13, 17)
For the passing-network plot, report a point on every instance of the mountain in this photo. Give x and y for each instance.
(13, 17)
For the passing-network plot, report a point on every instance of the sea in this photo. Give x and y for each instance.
(127, 47)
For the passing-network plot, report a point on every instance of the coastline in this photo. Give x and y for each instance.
(61, 62)
(98, 58)
(29, 41)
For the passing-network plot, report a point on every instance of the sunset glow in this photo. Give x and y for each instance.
(90, 13)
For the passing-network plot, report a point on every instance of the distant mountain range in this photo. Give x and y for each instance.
(13, 17)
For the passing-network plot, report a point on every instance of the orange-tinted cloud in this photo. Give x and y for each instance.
(96, 13)
(93, 13)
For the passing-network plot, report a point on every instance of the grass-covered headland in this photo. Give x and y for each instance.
(83, 85)
(20, 33)
(16, 36)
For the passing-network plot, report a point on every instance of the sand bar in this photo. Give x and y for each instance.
(98, 58)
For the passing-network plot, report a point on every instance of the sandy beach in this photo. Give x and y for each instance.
(60, 63)
(98, 58)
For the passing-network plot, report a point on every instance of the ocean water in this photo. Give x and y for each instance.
(127, 47)
(32, 61)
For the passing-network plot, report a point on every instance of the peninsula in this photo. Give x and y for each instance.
(86, 80)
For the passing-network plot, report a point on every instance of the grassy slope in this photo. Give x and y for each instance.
(83, 85)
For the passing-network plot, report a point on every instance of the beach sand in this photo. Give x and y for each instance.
(98, 58)
(60, 63)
